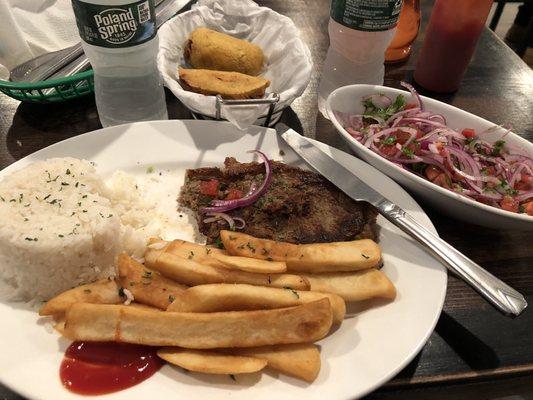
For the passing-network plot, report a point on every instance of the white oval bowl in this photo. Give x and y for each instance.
(348, 99)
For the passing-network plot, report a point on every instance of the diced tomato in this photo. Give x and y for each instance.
(432, 172)
(209, 188)
(469, 133)
(389, 150)
(234, 194)
(443, 180)
(410, 105)
(523, 183)
(509, 203)
(402, 137)
(491, 171)
(528, 207)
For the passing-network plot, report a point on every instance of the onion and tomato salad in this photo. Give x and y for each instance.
(420, 141)
(218, 209)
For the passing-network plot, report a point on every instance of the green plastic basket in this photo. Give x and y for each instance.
(51, 91)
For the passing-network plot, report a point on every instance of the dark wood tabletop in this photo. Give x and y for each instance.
(475, 352)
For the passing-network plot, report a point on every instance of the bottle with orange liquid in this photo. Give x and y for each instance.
(406, 32)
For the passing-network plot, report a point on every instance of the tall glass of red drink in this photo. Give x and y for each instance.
(451, 37)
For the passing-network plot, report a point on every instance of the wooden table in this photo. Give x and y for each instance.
(474, 352)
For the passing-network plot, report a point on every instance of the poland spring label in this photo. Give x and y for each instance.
(366, 15)
(115, 26)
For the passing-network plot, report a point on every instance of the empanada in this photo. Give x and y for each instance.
(217, 51)
(230, 85)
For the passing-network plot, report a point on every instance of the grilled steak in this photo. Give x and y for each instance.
(299, 206)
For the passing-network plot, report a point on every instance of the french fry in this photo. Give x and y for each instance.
(354, 286)
(301, 360)
(105, 291)
(218, 258)
(192, 273)
(301, 324)
(210, 362)
(147, 286)
(238, 297)
(312, 258)
(145, 307)
(240, 244)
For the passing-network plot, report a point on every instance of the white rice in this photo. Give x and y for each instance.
(61, 225)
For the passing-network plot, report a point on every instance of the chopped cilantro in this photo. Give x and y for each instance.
(147, 274)
(408, 152)
(150, 170)
(251, 247)
(218, 243)
(371, 110)
(121, 292)
(171, 298)
(389, 141)
(498, 147)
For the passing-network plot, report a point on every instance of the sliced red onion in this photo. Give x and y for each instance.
(439, 117)
(387, 131)
(352, 131)
(525, 196)
(379, 100)
(414, 94)
(216, 216)
(220, 206)
(424, 121)
(356, 121)
(400, 113)
(241, 221)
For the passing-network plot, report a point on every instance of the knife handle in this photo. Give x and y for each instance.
(499, 294)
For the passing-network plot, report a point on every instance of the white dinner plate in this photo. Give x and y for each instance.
(369, 348)
(348, 99)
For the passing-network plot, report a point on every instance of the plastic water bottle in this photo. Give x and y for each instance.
(120, 39)
(359, 33)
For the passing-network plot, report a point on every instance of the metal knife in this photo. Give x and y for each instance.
(499, 294)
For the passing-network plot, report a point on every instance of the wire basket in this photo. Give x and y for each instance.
(51, 91)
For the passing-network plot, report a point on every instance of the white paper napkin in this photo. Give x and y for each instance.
(29, 28)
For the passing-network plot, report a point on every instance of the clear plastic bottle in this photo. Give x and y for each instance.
(120, 39)
(359, 33)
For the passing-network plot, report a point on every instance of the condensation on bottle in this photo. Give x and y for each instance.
(359, 33)
(120, 40)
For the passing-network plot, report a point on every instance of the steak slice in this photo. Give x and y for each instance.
(299, 207)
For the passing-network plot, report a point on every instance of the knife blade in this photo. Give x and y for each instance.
(502, 296)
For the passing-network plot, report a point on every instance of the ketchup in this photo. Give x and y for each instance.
(94, 368)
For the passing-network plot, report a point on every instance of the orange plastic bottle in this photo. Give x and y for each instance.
(406, 32)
